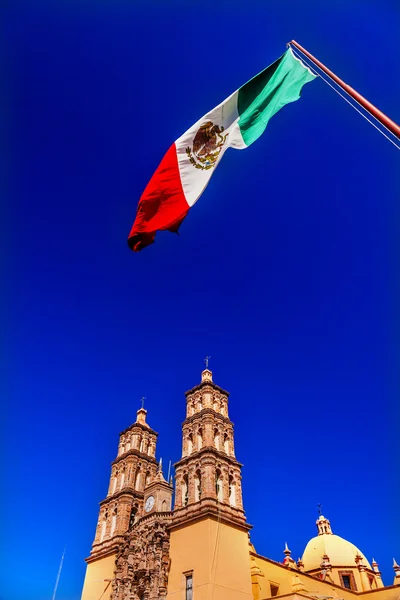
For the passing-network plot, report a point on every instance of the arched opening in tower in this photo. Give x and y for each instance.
(197, 487)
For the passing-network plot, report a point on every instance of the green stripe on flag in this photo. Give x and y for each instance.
(265, 94)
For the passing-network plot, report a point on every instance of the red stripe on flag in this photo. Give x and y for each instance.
(162, 204)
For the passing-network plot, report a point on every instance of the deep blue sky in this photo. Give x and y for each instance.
(285, 271)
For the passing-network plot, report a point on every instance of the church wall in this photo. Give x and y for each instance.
(281, 576)
(386, 593)
(218, 556)
(96, 574)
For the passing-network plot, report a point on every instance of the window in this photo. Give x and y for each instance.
(274, 589)
(346, 581)
(189, 587)
(197, 487)
(185, 490)
(132, 518)
(190, 444)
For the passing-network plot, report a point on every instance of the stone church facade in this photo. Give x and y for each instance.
(145, 548)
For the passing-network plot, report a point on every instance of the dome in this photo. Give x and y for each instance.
(341, 553)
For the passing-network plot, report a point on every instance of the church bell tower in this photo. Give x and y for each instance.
(208, 519)
(131, 472)
(208, 476)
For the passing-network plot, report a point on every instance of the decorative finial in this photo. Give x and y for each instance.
(396, 569)
(142, 399)
(206, 360)
(300, 564)
(160, 465)
(319, 506)
(286, 551)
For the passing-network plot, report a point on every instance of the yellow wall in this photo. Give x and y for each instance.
(389, 593)
(217, 554)
(94, 584)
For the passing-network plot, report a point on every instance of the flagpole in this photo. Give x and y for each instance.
(373, 110)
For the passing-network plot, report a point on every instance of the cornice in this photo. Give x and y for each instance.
(210, 384)
(140, 426)
(155, 483)
(135, 452)
(208, 451)
(207, 411)
(153, 516)
(103, 553)
(128, 491)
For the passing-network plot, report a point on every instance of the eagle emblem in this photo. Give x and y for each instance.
(207, 145)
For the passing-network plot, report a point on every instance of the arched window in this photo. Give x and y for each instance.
(216, 439)
(185, 490)
(218, 486)
(127, 444)
(138, 480)
(132, 517)
(147, 478)
(232, 492)
(103, 526)
(190, 444)
(164, 506)
(122, 479)
(113, 521)
(141, 446)
(197, 487)
(199, 439)
(226, 443)
(114, 484)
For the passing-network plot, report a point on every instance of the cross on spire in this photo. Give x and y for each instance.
(207, 358)
(142, 399)
(319, 506)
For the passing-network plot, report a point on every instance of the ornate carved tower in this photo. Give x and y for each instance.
(208, 476)
(208, 520)
(133, 469)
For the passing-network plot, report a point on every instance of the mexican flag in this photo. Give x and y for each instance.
(186, 168)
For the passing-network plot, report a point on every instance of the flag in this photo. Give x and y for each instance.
(186, 168)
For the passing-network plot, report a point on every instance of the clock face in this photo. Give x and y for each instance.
(149, 504)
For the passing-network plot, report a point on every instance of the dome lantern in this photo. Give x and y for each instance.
(323, 525)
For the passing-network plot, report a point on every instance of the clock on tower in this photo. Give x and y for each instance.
(158, 494)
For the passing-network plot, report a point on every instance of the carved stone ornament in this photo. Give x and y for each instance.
(142, 563)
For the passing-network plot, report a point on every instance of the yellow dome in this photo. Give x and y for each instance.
(341, 553)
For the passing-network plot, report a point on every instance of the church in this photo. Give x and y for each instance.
(191, 541)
